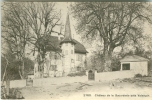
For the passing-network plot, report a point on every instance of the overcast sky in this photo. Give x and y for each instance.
(63, 6)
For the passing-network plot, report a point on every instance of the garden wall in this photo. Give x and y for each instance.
(113, 75)
(17, 83)
(58, 80)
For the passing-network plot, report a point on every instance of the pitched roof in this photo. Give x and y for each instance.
(79, 48)
(133, 58)
(53, 44)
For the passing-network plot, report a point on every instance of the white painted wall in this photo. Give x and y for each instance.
(17, 83)
(138, 67)
(60, 80)
(64, 64)
(67, 58)
(52, 61)
(135, 68)
(80, 63)
(30, 76)
(107, 76)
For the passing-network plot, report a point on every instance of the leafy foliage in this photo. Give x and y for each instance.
(29, 66)
(138, 75)
(12, 69)
(95, 61)
(81, 73)
(115, 64)
(25, 23)
(115, 23)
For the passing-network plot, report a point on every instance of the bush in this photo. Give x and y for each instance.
(138, 75)
(81, 73)
(145, 76)
(14, 93)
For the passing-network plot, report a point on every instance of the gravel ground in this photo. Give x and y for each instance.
(119, 89)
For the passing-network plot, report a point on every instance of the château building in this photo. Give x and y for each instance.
(64, 54)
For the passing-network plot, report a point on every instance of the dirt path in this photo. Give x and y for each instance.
(88, 90)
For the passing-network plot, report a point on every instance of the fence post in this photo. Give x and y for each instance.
(87, 72)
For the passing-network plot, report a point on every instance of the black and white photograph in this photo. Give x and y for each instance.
(76, 50)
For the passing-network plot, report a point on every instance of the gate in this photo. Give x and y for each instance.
(91, 75)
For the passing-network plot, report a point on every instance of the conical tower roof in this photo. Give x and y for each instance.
(68, 28)
(67, 34)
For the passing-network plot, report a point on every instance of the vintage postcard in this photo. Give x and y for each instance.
(76, 50)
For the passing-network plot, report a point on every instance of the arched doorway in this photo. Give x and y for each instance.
(91, 75)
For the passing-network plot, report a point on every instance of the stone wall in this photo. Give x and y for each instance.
(17, 83)
(113, 75)
(58, 80)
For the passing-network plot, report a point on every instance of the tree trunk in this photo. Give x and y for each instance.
(110, 57)
(4, 71)
(108, 49)
(42, 69)
(41, 61)
(22, 67)
(7, 87)
(107, 62)
(40, 66)
(20, 72)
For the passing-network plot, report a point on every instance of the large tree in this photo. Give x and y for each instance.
(113, 22)
(15, 32)
(43, 20)
(24, 25)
